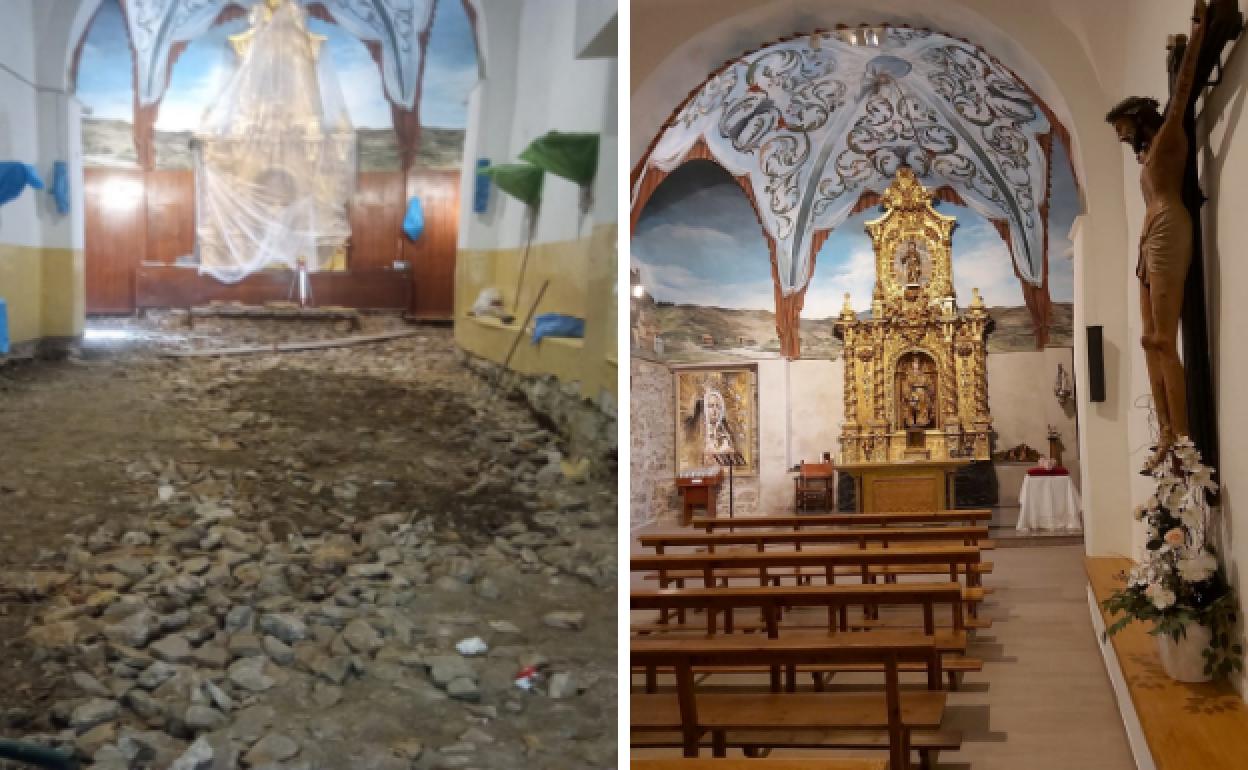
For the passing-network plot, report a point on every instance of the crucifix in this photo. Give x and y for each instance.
(1170, 268)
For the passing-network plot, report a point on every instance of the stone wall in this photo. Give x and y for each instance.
(588, 429)
(653, 457)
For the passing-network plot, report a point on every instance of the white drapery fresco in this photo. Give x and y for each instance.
(396, 25)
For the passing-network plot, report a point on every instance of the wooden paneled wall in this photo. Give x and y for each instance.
(137, 226)
(115, 238)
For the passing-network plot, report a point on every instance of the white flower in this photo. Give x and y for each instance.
(1160, 596)
(1199, 567)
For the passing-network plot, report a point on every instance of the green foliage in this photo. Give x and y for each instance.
(1221, 658)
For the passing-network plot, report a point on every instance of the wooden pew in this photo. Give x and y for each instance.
(682, 763)
(695, 714)
(771, 601)
(955, 559)
(760, 539)
(968, 516)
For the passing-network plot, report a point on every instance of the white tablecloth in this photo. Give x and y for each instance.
(1049, 503)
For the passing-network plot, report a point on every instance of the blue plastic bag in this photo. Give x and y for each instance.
(4, 328)
(60, 186)
(557, 325)
(13, 179)
(414, 221)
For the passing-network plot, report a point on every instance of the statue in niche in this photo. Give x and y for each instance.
(918, 396)
(1161, 146)
(911, 262)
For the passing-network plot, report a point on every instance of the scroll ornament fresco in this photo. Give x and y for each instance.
(816, 127)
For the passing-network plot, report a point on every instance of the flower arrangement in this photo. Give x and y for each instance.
(1179, 582)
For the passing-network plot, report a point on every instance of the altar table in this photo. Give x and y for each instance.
(1049, 503)
(918, 485)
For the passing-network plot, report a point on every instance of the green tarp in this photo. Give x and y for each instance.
(520, 180)
(571, 156)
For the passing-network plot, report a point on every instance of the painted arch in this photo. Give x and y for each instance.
(815, 126)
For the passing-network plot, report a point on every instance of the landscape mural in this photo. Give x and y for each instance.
(703, 286)
(105, 88)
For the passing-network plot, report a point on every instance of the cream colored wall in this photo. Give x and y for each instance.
(1020, 396)
(533, 83)
(801, 407)
(1072, 53)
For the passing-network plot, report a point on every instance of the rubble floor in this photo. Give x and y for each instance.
(268, 560)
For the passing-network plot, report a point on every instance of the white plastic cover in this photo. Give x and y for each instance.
(275, 163)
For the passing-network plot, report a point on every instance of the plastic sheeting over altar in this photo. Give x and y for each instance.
(819, 125)
(275, 156)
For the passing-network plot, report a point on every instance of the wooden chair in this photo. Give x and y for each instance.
(814, 486)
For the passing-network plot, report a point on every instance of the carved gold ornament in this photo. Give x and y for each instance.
(915, 371)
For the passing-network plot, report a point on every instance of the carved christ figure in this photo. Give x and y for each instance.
(1160, 145)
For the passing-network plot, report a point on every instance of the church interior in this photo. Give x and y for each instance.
(308, 384)
(934, 428)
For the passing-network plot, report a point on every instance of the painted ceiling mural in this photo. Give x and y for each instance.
(820, 123)
(106, 80)
(702, 262)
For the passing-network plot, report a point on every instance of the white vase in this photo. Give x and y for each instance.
(1184, 660)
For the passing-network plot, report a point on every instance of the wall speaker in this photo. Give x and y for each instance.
(1096, 364)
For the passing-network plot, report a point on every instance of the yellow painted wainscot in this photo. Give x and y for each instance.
(43, 289)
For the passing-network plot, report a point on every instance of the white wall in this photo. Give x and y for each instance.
(19, 124)
(534, 84)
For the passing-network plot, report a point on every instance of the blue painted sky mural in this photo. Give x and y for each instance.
(698, 242)
(700, 254)
(104, 79)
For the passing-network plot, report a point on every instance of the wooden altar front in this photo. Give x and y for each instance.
(921, 485)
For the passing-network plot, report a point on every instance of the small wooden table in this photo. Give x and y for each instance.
(698, 489)
(921, 485)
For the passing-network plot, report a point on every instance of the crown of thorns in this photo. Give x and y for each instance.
(1133, 107)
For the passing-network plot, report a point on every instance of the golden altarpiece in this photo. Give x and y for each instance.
(915, 382)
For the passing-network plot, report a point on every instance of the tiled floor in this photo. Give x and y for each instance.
(1043, 700)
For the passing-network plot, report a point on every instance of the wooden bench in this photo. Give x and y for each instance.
(954, 560)
(879, 519)
(772, 601)
(721, 715)
(977, 536)
(758, 764)
(928, 743)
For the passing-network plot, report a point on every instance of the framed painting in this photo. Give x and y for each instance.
(716, 418)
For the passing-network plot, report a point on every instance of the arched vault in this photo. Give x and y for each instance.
(814, 127)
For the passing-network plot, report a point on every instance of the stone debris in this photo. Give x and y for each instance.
(280, 599)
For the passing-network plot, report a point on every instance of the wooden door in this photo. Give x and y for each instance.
(116, 237)
(432, 256)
